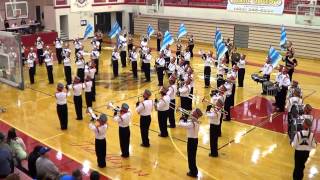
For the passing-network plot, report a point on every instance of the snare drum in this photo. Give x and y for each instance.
(272, 90)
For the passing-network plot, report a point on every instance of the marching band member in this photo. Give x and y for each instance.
(80, 52)
(160, 66)
(290, 63)
(99, 36)
(62, 109)
(242, 69)
(172, 67)
(180, 70)
(80, 67)
(144, 109)
(187, 56)
(95, 42)
(214, 116)
(144, 50)
(283, 84)
(228, 99)
(133, 57)
(23, 56)
(99, 128)
(303, 142)
(92, 73)
(39, 44)
(115, 64)
(235, 56)
(294, 100)
(130, 43)
(123, 118)
(220, 96)
(67, 68)
(31, 64)
(88, 91)
(123, 49)
(95, 54)
(185, 92)
(167, 55)
(228, 45)
(49, 62)
(207, 67)
(146, 63)
(290, 47)
(77, 87)
(294, 87)
(65, 50)
(159, 39)
(192, 126)
(220, 72)
(233, 74)
(58, 44)
(266, 71)
(77, 46)
(190, 44)
(276, 84)
(179, 48)
(172, 91)
(162, 105)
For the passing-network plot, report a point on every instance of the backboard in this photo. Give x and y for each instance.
(308, 14)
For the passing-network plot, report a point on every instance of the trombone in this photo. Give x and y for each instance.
(214, 106)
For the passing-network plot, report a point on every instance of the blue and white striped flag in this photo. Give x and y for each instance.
(167, 39)
(182, 31)
(89, 30)
(218, 38)
(150, 31)
(221, 51)
(274, 56)
(283, 38)
(115, 30)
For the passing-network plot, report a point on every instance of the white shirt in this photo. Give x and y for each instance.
(163, 103)
(221, 69)
(134, 56)
(65, 51)
(115, 56)
(278, 77)
(241, 64)
(32, 56)
(160, 62)
(77, 89)
(306, 143)
(80, 64)
(172, 91)
(92, 72)
(192, 128)
(66, 61)
(229, 88)
(187, 56)
(30, 63)
(285, 80)
(148, 58)
(293, 100)
(214, 117)
(185, 90)
(144, 108)
(167, 53)
(208, 61)
(61, 98)
(124, 119)
(87, 86)
(216, 97)
(180, 70)
(144, 44)
(100, 132)
(95, 54)
(39, 44)
(77, 44)
(267, 69)
(171, 67)
(58, 44)
(48, 58)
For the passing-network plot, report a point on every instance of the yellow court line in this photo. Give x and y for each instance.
(41, 141)
(184, 157)
(46, 139)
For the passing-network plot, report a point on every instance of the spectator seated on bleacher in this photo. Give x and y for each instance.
(18, 147)
(6, 160)
(95, 175)
(33, 156)
(76, 175)
(46, 169)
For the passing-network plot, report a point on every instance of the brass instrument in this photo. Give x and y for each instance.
(93, 116)
(214, 106)
(114, 108)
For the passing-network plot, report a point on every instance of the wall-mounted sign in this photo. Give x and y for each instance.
(80, 5)
(83, 22)
(257, 6)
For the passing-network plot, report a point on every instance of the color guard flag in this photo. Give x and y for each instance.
(221, 51)
(218, 38)
(167, 39)
(274, 56)
(89, 29)
(283, 38)
(150, 31)
(182, 31)
(115, 30)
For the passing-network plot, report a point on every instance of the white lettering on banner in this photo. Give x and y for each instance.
(80, 5)
(257, 6)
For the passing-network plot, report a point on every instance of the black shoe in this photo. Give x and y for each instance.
(171, 126)
(79, 119)
(125, 156)
(226, 119)
(102, 166)
(145, 145)
(160, 135)
(213, 155)
(263, 93)
(192, 175)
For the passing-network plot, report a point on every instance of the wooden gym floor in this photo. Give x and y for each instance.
(253, 146)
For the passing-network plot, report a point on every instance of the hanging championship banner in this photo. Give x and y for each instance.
(257, 6)
(80, 5)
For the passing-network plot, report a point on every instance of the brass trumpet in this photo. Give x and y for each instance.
(114, 108)
(93, 116)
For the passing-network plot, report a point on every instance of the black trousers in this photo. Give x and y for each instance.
(158, 44)
(207, 74)
(233, 93)
(171, 113)
(115, 68)
(50, 75)
(267, 76)
(40, 57)
(58, 54)
(160, 75)
(144, 129)
(67, 73)
(282, 98)
(123, 56)
(146, 70)
(96, 61)
(78, 106)
(220, 80)
(191, 50)
(93, 89)
(100, 45)
(227, 57)
(62, 111)
(162, 121)
(80, 74)
(124, 138)
(219, 127)
(88, 96)
(101, 152)
(167, 60)
(76, 51)
(192, 153)
(31, 75)
(214, 134)
(134, 69)
(227, 105)
(241, 73)
(130, 46)
(185, 103)
(300, 158)
(290, 73)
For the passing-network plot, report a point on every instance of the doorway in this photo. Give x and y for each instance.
(102, 22)
(64, 27)
(131, 23)
(119, 19)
